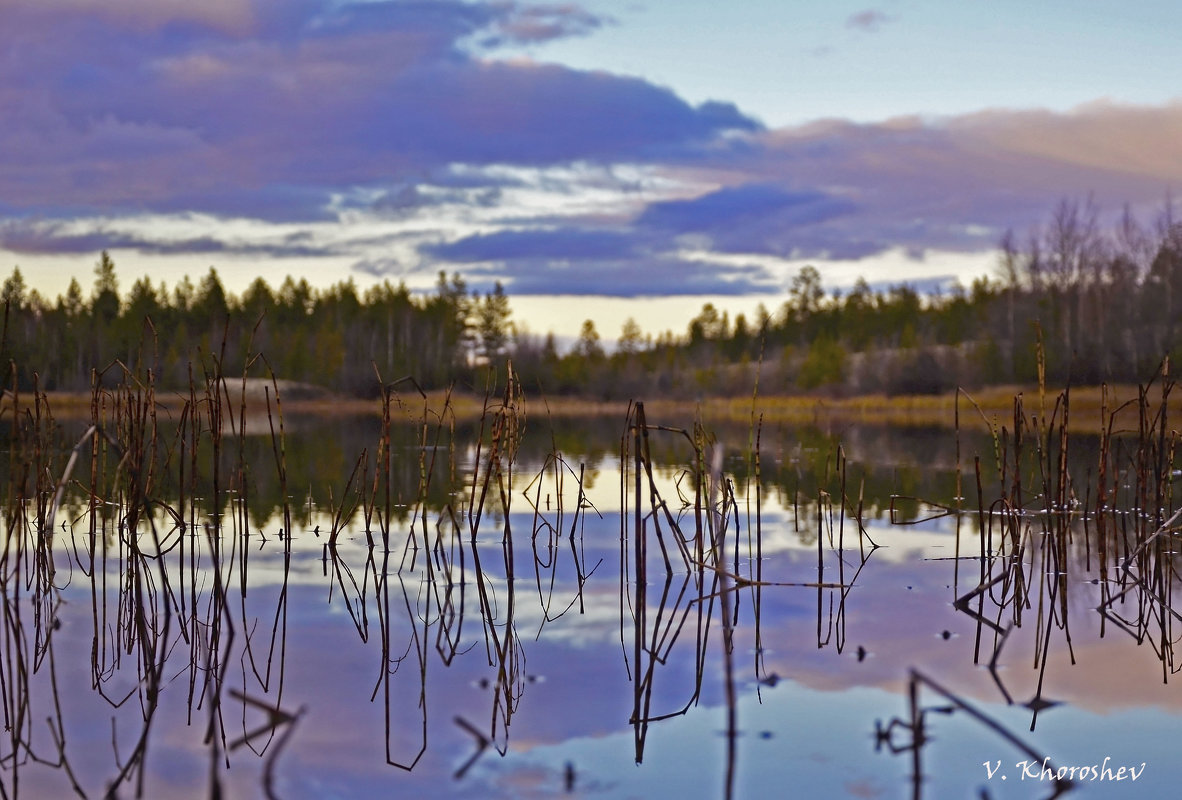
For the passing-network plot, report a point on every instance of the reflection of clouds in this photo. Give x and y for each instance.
(899, 608)
(593, 623)
(576, 692)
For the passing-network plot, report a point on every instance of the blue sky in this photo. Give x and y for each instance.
(791, 63)
(602, 159)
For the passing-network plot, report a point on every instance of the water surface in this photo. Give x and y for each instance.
(543, 623)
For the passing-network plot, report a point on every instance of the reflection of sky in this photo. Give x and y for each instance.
(822, 745)
(813, 728)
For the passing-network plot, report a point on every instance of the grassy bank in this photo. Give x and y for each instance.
(1088, 408)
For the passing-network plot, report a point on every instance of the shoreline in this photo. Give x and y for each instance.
(1089, 408)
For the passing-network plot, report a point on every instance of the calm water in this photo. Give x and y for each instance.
(531, 650)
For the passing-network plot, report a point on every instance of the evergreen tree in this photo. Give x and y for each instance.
(105, 300)
(493, 326)
(13, 293)
(588, 346)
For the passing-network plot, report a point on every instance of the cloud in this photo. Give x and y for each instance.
(623, 262)
(869, 20)
(401, 199)
(225, 15)
(382, 267)
(305, 98)
(652, 276)
(840, 191)
(402, 119)
(762, 217)
(531, 24)
(38, 238)
(737, 208)
(570, 244)
(829, 190)
(953, 183)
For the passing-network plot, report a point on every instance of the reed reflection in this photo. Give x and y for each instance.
(706, 561)
(455, 559)
(1051, 533)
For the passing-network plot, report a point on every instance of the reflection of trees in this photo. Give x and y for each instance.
(173, 536)
(158, 588)
(148, 522)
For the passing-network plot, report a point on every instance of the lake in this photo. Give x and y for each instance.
(516, 607)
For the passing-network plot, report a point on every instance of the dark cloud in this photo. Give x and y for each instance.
(404, 198)
(570, 244)
(944, 184)
(270, 203)
(845, 191)
(229, 110)
(498, 113)
(616, 263)
(762, 217)
(738, 206)
(654, 276)
(299, 110)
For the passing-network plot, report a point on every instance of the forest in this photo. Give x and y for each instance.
(1084, 302)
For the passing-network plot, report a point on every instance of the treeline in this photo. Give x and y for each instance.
(333, 337)
(1081, 302)
(1094, 303)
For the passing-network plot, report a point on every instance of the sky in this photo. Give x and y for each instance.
(605, 159)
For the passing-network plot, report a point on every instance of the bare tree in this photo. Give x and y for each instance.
(1073, 248)
(1011, 270)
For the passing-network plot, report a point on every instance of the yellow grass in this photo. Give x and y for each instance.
(992, 406)
(978, 409)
